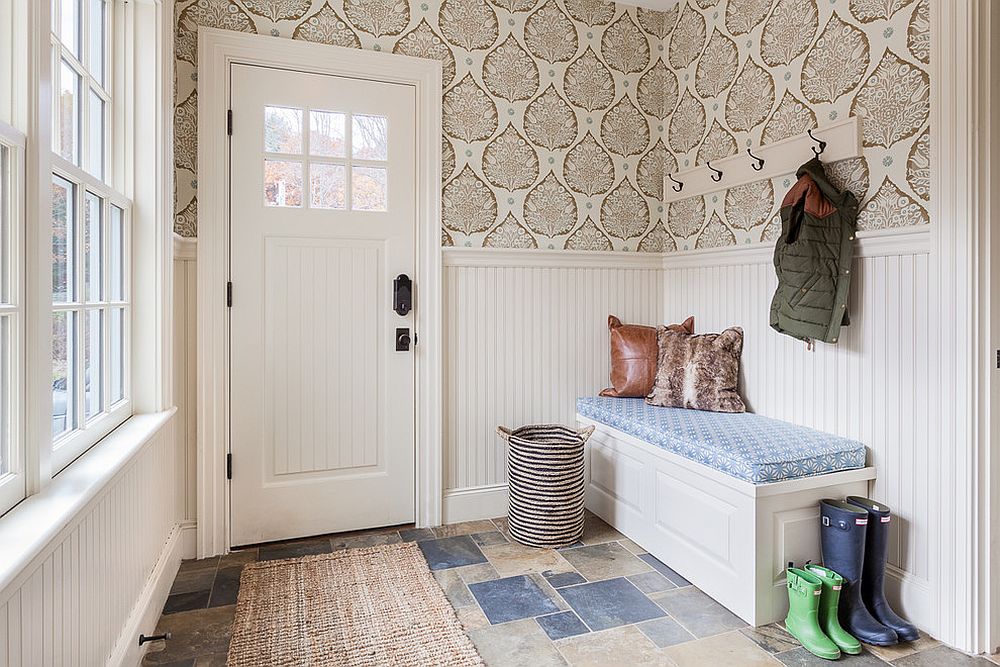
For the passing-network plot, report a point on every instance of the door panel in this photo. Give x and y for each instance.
(322, 219)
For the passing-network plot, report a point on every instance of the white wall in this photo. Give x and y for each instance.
(104, 575)
(874, 385)
(525, 335)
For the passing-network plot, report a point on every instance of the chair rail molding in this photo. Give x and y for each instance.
(218, 49)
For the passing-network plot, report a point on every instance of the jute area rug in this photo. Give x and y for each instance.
(367, 607)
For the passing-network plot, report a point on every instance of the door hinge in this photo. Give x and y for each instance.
(229, 122)
(229, 466)
(229, 294)
(414, 339)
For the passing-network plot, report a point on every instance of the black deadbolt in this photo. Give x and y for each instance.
(402, 340)
(402, 294)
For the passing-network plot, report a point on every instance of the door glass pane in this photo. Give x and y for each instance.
(92, 362)
(92, 247)
(69, 25)
(63, 240)
(63, 375)
(282, 183)
(96, 40)
(68, 132)
(369, 137)
(326, 134)
(95, 136)
(116, 260)
(327, 185)
(368, 188)
(282, 130)
(116, 383)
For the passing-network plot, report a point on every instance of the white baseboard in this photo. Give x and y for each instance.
(146, 612)
(483, 502)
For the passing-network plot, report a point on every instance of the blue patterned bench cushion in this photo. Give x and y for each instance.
(746, 446)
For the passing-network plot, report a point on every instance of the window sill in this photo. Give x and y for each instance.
(28, 528)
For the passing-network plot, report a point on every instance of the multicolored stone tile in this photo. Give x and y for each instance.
(512, 598)
(607, 604)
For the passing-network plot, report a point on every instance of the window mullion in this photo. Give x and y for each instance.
(80, 297)
(105, 309)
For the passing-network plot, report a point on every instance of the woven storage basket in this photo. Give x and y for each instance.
(545, 472)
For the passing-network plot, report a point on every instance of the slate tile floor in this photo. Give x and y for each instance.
(601, 602)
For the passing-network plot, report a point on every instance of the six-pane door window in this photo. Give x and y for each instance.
(346, 156)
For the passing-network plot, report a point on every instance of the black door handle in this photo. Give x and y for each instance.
(402, 294)
(402, 340)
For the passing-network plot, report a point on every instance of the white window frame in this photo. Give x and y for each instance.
(12, 482)
(69, 445)
(138, 167)
(86, 432)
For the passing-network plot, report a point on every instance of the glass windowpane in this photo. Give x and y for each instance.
(5, 212)
(69, 25)
(327, 183)
(369, 137)
(282, 183)
(96, 41)
(5, 394)
(92, 249)
(368, 189)
(63, 372)
(116, 383)
(282, 130)
(63, 240)
(92, 337)
(68, 132)
(116, 260)
(326, 134)
(95, 136)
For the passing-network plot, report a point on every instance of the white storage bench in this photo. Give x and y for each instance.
(725, 500)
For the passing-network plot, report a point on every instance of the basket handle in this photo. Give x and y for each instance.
(585, 433)
(504, 433)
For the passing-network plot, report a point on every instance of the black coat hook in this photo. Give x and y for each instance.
(679, 186)
(717, 176)
(758, 161)
(822, 144)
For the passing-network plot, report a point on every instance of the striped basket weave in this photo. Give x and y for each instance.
(546, 480)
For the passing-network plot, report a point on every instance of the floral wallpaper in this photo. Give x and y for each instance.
(553, 110)
(562, 116)
(752, 72)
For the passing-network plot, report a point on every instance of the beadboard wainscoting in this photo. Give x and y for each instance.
(874, 385)
(101, 577)
(525, 334)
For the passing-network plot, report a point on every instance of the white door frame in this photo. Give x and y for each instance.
(217, 50)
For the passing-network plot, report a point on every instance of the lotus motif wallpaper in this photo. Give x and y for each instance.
(753, 72)
(553, 110)
(562, 116)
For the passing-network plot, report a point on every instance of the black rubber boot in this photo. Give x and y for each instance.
(873, 576)
(843, 531)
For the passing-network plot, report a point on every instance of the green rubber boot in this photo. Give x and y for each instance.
(828, 604)
(804, 592)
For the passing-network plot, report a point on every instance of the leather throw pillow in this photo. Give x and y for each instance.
(634, 354)
(699, 372)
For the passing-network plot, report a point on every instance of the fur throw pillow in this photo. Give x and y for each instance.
(699, 372)
(634, 354)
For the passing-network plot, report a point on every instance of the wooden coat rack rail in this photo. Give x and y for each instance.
(842, 141)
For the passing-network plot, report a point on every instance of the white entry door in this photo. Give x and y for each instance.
(322, 200)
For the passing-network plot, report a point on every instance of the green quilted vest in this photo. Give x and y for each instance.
(813, 257)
